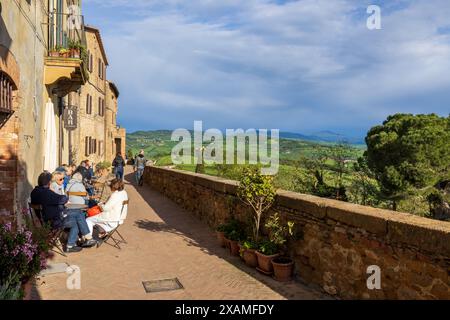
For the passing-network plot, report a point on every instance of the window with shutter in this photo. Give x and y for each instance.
(87, 104)
(89, 60)
(86, 146)
(6, 93)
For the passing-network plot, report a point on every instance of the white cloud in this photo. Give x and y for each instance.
(207, 57)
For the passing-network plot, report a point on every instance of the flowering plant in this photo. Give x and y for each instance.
(23, 251)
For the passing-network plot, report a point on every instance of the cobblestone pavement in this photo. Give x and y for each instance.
(164, 241)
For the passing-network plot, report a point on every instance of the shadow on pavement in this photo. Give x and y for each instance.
(196, 233)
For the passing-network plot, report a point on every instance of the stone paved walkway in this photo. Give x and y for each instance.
(164, 241)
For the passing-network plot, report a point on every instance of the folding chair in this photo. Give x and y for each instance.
(55, 234)
(110, 234)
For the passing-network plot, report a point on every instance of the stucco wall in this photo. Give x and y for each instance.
(23, 132)
(336, 241)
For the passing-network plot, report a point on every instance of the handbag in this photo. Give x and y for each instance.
(95, 210)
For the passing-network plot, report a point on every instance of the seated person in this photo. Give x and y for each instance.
(84, 170)
(53, 213)
(57, 184)
(90, 167)
(112, 214)
(76, 185)
(67, 170)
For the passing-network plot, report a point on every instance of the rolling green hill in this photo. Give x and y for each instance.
(158, 145)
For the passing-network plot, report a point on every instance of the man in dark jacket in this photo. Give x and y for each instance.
(90, 169)
(53, 212)
(83, 169)
(118, 164)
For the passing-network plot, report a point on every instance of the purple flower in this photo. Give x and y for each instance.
(8, 227)
(15, 252)
(28, 236)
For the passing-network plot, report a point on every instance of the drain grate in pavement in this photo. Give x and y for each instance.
(162, 285)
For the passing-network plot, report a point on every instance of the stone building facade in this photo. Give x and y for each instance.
(97, 136)
(40, 70)
(115, 135)
(22, 52)
(89, 137)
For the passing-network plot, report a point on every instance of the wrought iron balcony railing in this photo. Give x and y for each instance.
(67, 37)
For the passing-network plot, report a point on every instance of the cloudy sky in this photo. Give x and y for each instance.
(301, 66)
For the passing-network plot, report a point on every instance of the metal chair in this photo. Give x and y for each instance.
(55, 234)
(110, 234)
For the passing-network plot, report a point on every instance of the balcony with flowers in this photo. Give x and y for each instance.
(66, 61)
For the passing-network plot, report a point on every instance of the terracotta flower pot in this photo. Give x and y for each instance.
(75, 53)
(283, 268)
(241, 251)
(221, 238)
(54, 54)
(265, 262)
(227, 243)
(234, 248)
(250, 258)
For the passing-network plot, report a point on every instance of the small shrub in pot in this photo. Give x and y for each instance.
(248, 253)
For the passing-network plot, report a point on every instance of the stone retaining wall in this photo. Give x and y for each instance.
(336, 241)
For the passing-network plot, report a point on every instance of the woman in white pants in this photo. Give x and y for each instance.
(112, 213)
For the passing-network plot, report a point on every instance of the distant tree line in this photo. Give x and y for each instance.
(406, 167)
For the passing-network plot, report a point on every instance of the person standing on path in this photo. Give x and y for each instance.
(118, 164)
(139, 165)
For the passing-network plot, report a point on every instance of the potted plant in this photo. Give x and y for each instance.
(267, 251)
(233, 240)
(234, 232)
(220, 232)
(283, 266)
(64, 53)
(76, 49)
(54, 52)
(257, 191)
(23, 255)
(103, 167)
(248, 253)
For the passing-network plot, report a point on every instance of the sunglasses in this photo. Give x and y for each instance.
(61, 179)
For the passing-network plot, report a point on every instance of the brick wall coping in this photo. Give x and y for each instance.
(426, 234)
